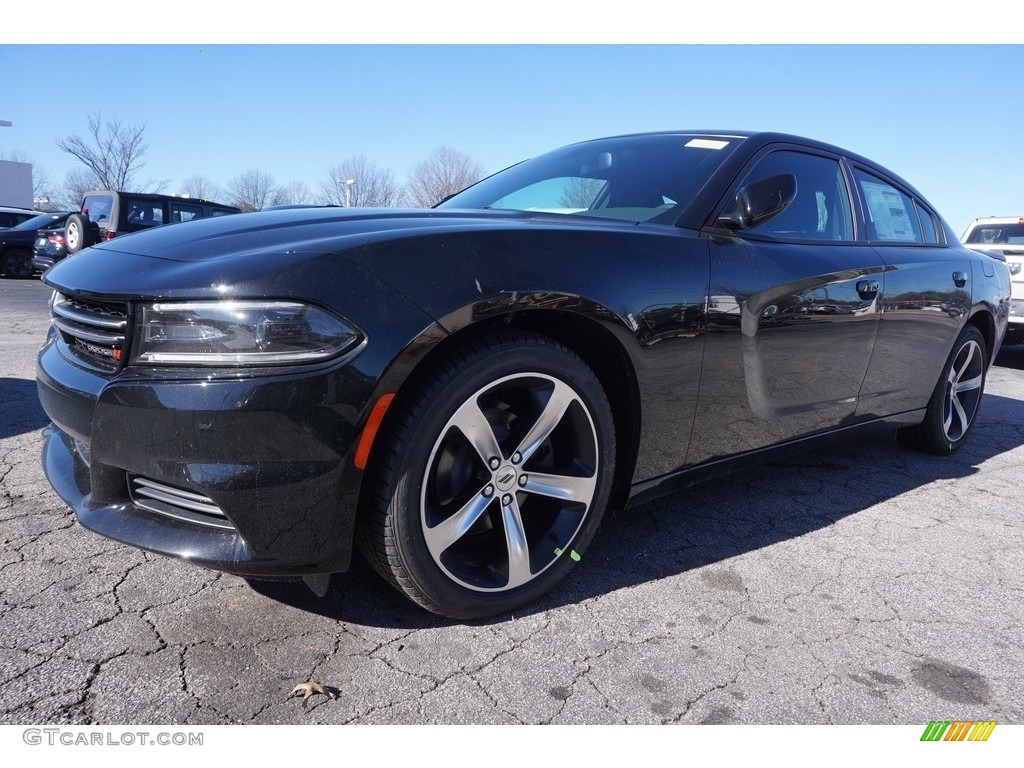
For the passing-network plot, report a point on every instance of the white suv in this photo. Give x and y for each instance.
(1005, 235)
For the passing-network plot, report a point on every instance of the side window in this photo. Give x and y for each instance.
(929, 230)
(891, 214)
(143, 213)
(219, 212)
(821, 209)
(182, 212)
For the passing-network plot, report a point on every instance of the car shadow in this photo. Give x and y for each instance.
(22, 411)
(704, 525)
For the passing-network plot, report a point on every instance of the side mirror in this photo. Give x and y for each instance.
(759, 201)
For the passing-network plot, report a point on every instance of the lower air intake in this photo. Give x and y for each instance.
(177, 504)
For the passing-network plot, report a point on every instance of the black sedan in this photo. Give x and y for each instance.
(465, 390)
(16, 243)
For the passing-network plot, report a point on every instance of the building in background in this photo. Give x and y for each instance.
(16, 184)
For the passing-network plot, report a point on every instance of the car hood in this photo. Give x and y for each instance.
(299, 230)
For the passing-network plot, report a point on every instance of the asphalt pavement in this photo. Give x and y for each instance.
(861, 584)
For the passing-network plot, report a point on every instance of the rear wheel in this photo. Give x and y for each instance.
(17, 262)
(78, 233)
(956, 399)
(490, 476)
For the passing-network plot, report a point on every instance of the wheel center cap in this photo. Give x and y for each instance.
(506, 478)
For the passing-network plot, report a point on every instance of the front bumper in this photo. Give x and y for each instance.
(272, 454)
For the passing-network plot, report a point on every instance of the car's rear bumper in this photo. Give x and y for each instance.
(43, 261)
(267, 462)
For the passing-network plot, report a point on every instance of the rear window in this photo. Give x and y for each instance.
(999, 234)
(98, 208)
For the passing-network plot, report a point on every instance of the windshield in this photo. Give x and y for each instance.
(43, 221)
(635, 178)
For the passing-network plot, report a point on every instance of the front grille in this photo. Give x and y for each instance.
(177, 504)
(94, 331)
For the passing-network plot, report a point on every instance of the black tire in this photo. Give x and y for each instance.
(953, 407)
(492, 434)
(17, 263)
(78, 233)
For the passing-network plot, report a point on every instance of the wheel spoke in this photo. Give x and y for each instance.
(443, 535)
(967, 362)
(564, 487)
(966, 386)
(518, 549)
(561, 398)
(960, 414)
(472, 423)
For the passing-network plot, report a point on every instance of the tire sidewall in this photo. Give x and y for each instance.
(77, 220)
(437, 403)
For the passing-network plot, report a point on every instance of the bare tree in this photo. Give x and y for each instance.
(252, 190)
(77, 182)
(112, 151)
(372, 187)
(292, 193)
(201, 187)
(444, 173)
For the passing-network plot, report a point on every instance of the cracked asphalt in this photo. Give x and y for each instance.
(861, 584)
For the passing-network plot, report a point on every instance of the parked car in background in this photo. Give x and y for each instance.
(1004, 235)
(48, 249)
(11, 217)
(17, 243)
(104, 214)
(464, 390)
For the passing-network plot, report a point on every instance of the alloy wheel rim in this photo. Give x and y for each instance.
(510, 481)
(963, 391)
(71, 235)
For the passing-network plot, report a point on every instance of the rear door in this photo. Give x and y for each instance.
(927, 296)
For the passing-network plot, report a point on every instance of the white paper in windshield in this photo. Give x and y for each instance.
(707, 143)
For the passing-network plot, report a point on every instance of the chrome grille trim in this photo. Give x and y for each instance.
(177, 503)
(89, 335)
(66, 309)
(95, 331)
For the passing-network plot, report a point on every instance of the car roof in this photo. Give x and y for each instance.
(998, 220)
(156, 196)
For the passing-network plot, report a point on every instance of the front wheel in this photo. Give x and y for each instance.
(490, 476)
(954, 404)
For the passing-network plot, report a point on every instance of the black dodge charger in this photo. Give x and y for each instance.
(465, 390)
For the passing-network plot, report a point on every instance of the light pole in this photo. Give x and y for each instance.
(348, 185)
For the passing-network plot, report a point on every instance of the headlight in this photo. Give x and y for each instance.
(239, 333)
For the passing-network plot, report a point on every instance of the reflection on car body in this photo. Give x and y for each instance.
(464, 390)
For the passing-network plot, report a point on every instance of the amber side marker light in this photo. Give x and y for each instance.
(370, 430)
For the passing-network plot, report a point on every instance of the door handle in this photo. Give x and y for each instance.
(959, 279)
(867, 289)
